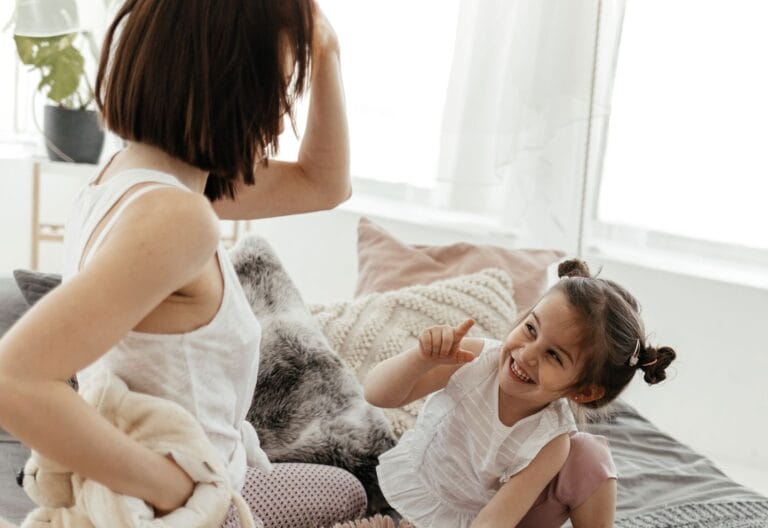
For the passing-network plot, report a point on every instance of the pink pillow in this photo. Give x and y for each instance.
(385, 263)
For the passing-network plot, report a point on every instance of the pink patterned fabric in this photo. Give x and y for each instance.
(301, 496)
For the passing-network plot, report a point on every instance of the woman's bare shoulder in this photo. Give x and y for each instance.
(168, 217)
(161, 243)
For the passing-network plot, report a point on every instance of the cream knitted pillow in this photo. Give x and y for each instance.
(372, 328)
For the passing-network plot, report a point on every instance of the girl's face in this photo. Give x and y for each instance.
(540, 358)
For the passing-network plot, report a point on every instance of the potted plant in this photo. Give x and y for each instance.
(72, 131)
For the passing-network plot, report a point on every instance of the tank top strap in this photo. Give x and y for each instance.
(106, 195)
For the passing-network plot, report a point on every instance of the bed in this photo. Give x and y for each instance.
(662, 483)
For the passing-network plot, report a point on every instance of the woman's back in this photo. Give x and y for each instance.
(207, 363)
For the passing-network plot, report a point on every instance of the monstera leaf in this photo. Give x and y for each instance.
(60, 63)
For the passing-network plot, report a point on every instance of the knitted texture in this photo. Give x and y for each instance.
(703, 515)
(372, 328)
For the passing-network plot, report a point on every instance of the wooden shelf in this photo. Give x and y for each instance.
(44, 231)
(54, 232)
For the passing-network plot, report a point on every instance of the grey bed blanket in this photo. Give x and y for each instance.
(663, 483)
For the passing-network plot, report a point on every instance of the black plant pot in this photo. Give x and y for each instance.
(72, 135)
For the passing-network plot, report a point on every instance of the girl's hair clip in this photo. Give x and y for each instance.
(635, 357)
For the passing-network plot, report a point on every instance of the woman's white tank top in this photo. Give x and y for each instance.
(210, 371)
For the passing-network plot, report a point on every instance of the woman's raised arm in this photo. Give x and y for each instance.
(320, 179)
(160, 243)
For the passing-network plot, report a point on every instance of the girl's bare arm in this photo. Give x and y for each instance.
(419, 371)
(162, 242)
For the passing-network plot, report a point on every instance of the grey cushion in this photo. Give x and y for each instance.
(34, 284)
(12, 303)
(14, 503)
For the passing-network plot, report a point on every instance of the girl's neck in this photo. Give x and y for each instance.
(511, 410)
(143, 156)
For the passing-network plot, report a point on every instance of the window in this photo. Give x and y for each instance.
(685, 151)
(16, 119)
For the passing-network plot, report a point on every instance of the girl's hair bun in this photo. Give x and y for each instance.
(656, 362)
(573, 268)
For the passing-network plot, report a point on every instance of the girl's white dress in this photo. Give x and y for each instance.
(450, 465)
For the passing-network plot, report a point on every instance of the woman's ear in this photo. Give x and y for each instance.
(588, 394)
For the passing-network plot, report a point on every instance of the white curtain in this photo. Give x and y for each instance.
(527, 111)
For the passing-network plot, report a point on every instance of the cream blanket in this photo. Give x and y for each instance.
(67, 500)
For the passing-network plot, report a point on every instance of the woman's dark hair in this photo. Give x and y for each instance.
(614, 337)
(205, 80)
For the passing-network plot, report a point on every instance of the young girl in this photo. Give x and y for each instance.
(496, 443)
(199, 90)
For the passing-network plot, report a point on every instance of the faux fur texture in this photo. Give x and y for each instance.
(308, 406)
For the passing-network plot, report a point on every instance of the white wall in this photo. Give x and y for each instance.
(15, 195)
(715, 397)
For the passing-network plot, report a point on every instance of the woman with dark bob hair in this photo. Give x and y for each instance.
(199, 90)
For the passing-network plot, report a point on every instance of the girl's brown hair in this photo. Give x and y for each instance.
(613, 333)
(205, 80)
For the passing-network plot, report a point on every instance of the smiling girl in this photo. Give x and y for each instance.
(496, 443)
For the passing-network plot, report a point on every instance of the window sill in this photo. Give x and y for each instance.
(423, 214)
(691, 258)
(687, 263)
(20, 147)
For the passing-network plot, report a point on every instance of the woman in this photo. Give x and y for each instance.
(199, 89)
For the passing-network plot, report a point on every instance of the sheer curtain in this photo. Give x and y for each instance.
(527, 110)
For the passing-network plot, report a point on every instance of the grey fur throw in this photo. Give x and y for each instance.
(308, 406)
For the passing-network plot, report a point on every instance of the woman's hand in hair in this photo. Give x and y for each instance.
(320, 178)
(324, 38)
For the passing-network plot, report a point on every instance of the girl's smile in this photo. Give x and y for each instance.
(518, 372)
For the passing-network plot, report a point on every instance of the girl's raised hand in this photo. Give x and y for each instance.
(442, 343)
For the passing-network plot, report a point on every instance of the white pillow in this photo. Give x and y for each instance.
(372, 328)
